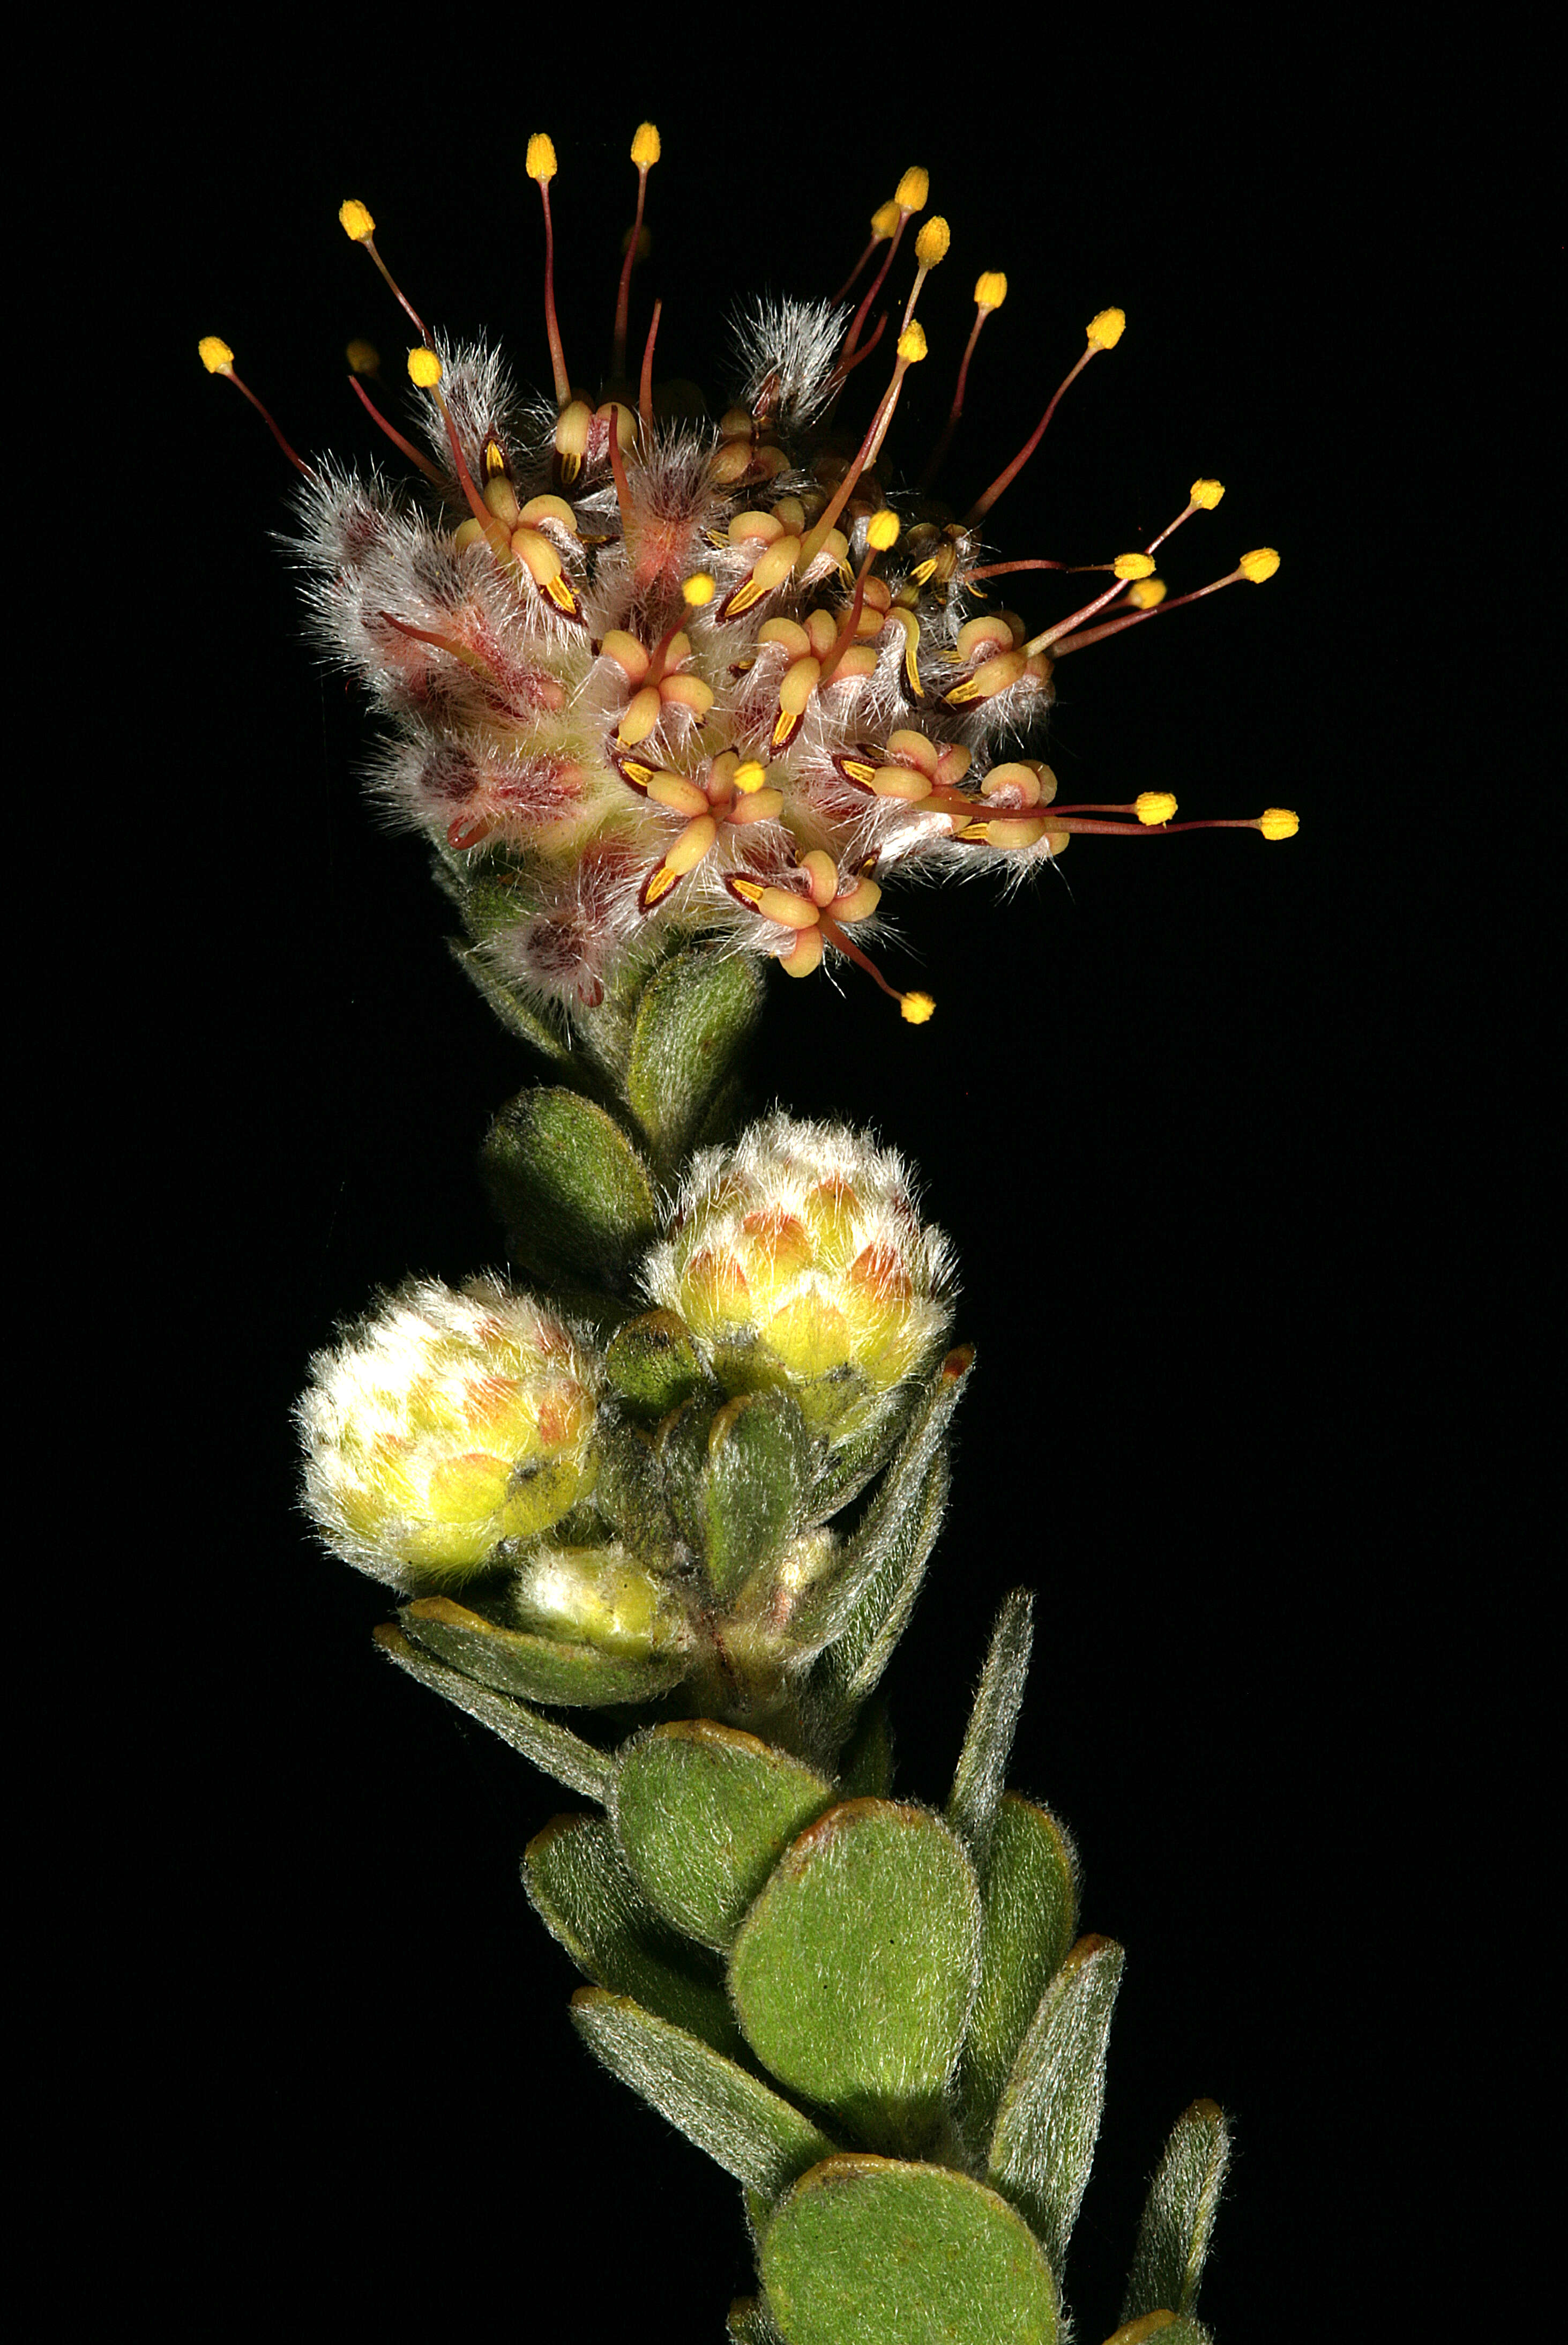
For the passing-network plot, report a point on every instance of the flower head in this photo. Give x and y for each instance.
(446, 1424)
(644, 678)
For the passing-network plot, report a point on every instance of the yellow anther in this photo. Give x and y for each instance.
(1261, 563)
(1133, 565)
(363, 357)
(931, 244)
(216, 355)
(912, 342)
(1279, 822)
(916, 1007)
(1205, 494)
(1154, 805)
(424, 370)
(1145, 593)
(882, 529)
(913, 189)
(1107, 328)
(541, 164)
(884, 219)
(645, 147)
(357, 222)
(990, 289)
(749, 774)
(697, 589)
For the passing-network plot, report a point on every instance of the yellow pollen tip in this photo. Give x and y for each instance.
(884, 220)
(645, 147)
(990, 289)
(1145, 593)
(363, 358)
(749, 776)
(541, 164)
(1154, 805)
(1261, 563)
(1133, 565)
(916, 1008)
(882, 529)
(697, 589)
(910, 194)
(357, 222)
(424, 368)
(912, 342)
(1106, 329)
(216, 355)
(1279, 822)
(1205, 494)
(931, 244)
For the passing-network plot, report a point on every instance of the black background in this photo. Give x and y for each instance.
(1236, 1142)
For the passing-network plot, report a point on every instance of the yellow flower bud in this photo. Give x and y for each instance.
(444, 1424)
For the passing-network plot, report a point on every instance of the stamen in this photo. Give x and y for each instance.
(883, 222)
(1256, 567)
(911, 351)
(910, 196)
(406, 447)
(930, 247)
(541, 167)
(881, 534)
(644, 153)
(990, 292)
(1127, 567)
(360, 229)
(1105, 330)
(219, 359)
(645, 388)
(425, 373)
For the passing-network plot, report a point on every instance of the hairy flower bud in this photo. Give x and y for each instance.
(798, 1258)
(445, 1423)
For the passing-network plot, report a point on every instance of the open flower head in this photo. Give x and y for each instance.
(723, 679)
(446, 1424)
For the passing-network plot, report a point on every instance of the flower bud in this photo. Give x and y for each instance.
(798, 1258)
(445, 1423)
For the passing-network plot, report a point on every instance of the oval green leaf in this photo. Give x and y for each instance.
(704, 1813)
(855, 1971)
(872, 2251)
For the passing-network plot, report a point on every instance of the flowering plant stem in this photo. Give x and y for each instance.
(670, 703)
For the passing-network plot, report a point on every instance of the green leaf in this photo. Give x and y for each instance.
(1029, 1901)
(860, 1610)
(989, 1743)
(1178, 2214)
(578, 1879)
(538, 1669)
(516, 1014)
(654, 1365)
(758, 1466)
(1050, 2111)
(631, 1491)
(695, 1018)
(554, 1749)
(741, 2122)
(574, 1194)
(872, 2251)
(704, 1813)
(855, 1971)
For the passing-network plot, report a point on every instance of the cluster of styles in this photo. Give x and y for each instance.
(672, 701)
